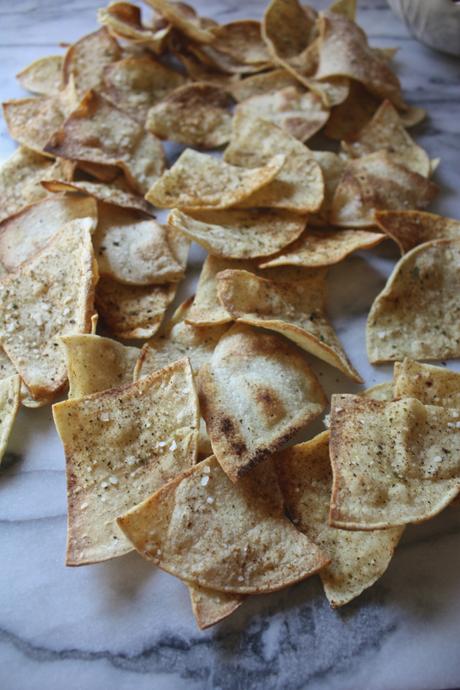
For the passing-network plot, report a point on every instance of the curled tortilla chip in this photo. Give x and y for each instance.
(179, 339)
(242, 40)
(124, 20)
(410, 228)
(99, 132)
(184, 19)
(239, 540)
(211, 607)
(43, 76)
(298, 186)
(135, 84)
(95, 364)
(417, 313)
(224, 63)
(293, 307)
(113, 194)
(133, 311)
(86, 60)
(394, 463)
(376, 182)
(9, 405)
(121, 445)
(385, 132)
(381, 391)
(288, 29)
(198, 181)
(48, 296)
(259, 84)
(133, 250)
(300, 114)
(349, 117)
(25, 233)
(255, 394)
(316, 248)
(332, 166)
(196, 114)
(358, 558)
(240, 234)
(429, 384)
(345, 7)
(32, 121)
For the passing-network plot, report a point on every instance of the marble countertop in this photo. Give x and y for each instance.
(123, 624)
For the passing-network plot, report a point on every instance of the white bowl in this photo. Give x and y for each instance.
(434, 22)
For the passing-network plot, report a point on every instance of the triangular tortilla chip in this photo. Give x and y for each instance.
(184, 18)
(47, 297)
(25, 233)
(429, 384)
(9, 405)
(114, 194)
(260, 84)
(211, 607)
(416, 314)
(255, 394)
(410, 228)
(223, 62)
(358, 558)
(238, 539)
(298, 186)
(349, 117)
(242, 40)
(124, 20)
(394, 463)
(95, 363)
(288, 29)
(42, 76)
(133, 250)
(99, 132)
(316, 248)
(196, 114)
(86, 60)
(377, 182)
(381, 391)
(120, 446)
(240, 234)
(32, 121)
(198, 181)
(293, 307)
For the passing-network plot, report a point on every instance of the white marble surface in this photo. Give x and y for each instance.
(123, 624)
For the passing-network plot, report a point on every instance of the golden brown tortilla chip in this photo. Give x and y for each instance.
(316, 248)
(293, 306)
(48, 296)
(86, 60)
(349, 117)
(394, 463)
(259, 84)
(32, 121)
(95, 364)
(239, 539)
(9, 405)
(288, 29)
(42, 76)
(381, 391)
(417, 313)
(25, 233)
(124, 20)
(184, 19)
(121, 445)
(199, 181)
(242, 40)
(358, 558)
(99, 132)
(298, 186)
(332, 166)
(255, 393)
(376, 182)
(345, 7)
(429, 384)
(114, 194)
(410, 228)
(210, 607)
(240, 234)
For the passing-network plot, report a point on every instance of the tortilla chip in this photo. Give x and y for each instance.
(300, 114)
(255, 394)
(298, 186)
(184, 18)
(223, 62)
(377, 182)
(133, 311)
(239, 539)
(124, 20)
(54, 292)
(196, 114)
(103, 173)
(121, 445)
(381, 391)
(332, 166)
(134, 251)
(288, 29)
(417, 313)
(114, 194)
(345, 7)
(358, 558)
(394, 463)
(317, 248)
(410, 228)
(242, 40)
(86, 60)
(332, 91)
(95, 364)
(211, 607)
(9, 405)
(99, 132)
(198, 181)
(240, 234)
(42, 76)
(259, 84)
(431, 385)
(385, 132)
(293, 307)
(31, 121)
(135, 84)
(349, 117)
(25, 233)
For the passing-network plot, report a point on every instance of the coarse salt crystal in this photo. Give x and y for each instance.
(130, 460)
(104, 417)
(161, 444)
(104, 485)
(381, 334)
(207, 469)
(437, 458)
(83, 506)
(66, 311)
(210, 500)
(204, 480)
(240, 578)
(113, 480)
(173, 445)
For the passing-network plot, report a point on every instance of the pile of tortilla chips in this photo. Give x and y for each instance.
(177, 425)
